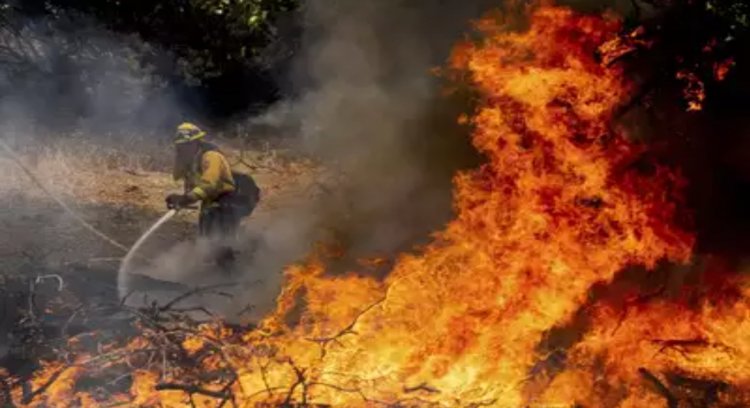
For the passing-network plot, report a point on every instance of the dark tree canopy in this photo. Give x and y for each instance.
(223, 53)
(227, 55)
(211, 35)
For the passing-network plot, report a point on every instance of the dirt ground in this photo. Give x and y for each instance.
(119, 193)
(118, 196)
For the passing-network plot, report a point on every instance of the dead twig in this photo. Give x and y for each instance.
(64, 329)
(228, 389)
(197, 291)
(659, 386)
(323, 342)
(264, 376)
(191, 389)
(300, 381)
(43, 388)
(488, 403)
(422, 387)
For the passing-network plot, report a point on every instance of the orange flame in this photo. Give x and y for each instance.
(722, 69)
(694, 90)
(563, 202)
(556, 209)
(706, 341)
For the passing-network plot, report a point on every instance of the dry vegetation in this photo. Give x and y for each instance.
(121, 192)
(118, 192)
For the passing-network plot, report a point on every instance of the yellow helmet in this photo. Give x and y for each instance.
(187, 132)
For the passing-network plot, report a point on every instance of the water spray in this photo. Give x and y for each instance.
(134, 249)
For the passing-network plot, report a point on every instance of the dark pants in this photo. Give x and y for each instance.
(219, 220)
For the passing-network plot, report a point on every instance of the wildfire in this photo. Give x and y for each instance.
(564, 202)
(658, 347)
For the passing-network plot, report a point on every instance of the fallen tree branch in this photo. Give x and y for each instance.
(659, 386)
(43, 388)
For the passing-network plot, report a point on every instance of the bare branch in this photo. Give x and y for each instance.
(43, 388)
(192, 389)
(660, 387)
(422, 387)
(197, 291)
(325, 341)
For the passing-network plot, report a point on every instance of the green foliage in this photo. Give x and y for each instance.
(209, 37)
(735, 11)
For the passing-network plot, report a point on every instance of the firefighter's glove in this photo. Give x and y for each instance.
(177, 201)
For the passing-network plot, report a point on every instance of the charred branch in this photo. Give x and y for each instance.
(424, 387)
(659, 387)
(197, 291)
(349, 329)
(683, 346)
(193, 389)
(301, 381)
(27, 398)
(227, 390)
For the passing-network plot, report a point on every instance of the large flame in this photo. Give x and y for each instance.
(564, 202)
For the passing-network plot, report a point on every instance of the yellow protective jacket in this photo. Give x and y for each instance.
(210, 177)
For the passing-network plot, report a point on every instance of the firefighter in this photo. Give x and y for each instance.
(208, 178)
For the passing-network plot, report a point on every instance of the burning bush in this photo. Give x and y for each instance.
(564, 202)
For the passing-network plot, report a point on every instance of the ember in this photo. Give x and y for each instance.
(560, 206)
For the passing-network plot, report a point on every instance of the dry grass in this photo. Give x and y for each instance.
(86, 173)
(121, 193)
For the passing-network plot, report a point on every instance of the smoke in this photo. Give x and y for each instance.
(367, 105)
(76, 100)
(370, 109)
(363, 100)
(66, 73)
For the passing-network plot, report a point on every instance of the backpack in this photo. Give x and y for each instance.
(246, 195)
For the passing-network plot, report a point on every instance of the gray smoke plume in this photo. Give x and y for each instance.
(68, 74)
(366, 104)
(368, 107)
(371, 110)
